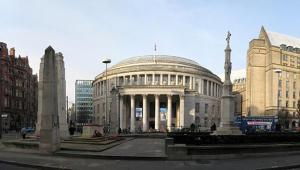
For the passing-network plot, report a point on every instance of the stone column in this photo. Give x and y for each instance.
(153, 79)
(202, 86)
(191, 84)
(169, 120)
(138, 81)
(157, 116)
(181, 118)
(194, 83)
(176, 79)
(145, 114)
(169, 79)
(132, 114)
(145, 80)
(61, 95)
(161, 79)
(183, 80)
(130, 80)
(121, 113)
(50, 137)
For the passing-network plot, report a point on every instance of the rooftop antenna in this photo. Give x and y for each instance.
(155, 52)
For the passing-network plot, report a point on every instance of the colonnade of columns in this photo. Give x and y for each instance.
(203, 86)
(145, 121)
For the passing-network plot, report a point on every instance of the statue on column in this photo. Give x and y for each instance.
(227, 65)
(227, 126)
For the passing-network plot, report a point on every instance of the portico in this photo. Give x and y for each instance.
(148, 109)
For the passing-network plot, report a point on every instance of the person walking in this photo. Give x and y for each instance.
(23, 132)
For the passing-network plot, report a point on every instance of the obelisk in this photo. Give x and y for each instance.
(49, 133)
(227, 126)
(61, 94)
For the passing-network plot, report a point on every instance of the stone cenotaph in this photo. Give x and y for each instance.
(227, 126)
(61, 95)
(49, 132)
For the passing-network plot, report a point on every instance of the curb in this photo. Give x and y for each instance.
(111, 157)
(33, 165)
(281, 167)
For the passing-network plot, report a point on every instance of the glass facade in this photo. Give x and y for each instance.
(84, 101)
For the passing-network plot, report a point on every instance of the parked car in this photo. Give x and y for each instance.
(29, 130)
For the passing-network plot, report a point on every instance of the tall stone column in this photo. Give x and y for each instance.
(227, 126)
(121, 113)
(61, 93)
(145, 114)
(49, 134)
(181, 111)
(132, 114)
(157, 116)
(169, 120)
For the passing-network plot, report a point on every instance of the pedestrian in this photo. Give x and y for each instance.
(23, 132)
(213, 127)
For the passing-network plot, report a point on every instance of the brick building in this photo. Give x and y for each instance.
(18, 90)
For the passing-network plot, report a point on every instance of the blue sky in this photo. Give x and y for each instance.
(87, 31)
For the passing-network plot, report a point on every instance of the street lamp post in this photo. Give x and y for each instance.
(106, 61)
(278, 71)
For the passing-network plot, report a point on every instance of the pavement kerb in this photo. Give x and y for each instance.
(111, 157)
(281, 167)
(33, 165)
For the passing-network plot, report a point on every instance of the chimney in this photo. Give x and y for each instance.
(12, 52)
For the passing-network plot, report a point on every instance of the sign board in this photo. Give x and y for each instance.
(138, 113)
(163, 114)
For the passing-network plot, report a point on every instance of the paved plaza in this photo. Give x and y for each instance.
(148, 148)
(58, 162)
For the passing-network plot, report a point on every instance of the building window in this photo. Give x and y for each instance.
(5, 102)
(197, 87)
(279, 103)
(279, 93)
(287, 85)
(294, 104)
(205, 87)
(287, 94)
(294, 95)
(197, 107)
(280, 83)
(284, 57)
(294, 85)
(180, 80)
(287, 104)
(206, 108)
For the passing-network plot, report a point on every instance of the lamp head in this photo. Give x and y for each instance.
(106, 61)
